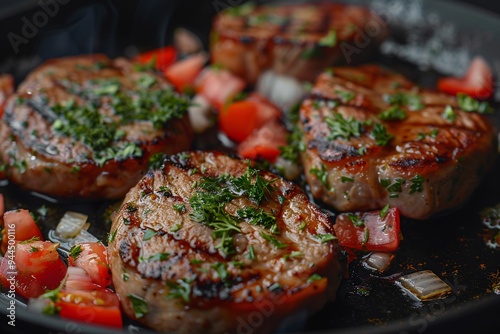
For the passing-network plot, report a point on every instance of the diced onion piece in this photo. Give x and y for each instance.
(425, 285)
(379, 261)
(282, 90)
(199, 114)
(71, 224)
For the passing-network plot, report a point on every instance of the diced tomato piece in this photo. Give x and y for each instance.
(99, 307)
(23, 225)
(93, 258)
(218, 86)
(477, 82)
(34, 256)
(241, 118)
(6, 90)
(264, 142)
(369, 231)
(163, 57)
(34, 267)
(183, 73)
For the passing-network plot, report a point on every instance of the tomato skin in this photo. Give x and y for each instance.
(35, 256)
(183, 73)
(218, 86)
(264, 142)
(35, 284)
(477, 82)
(241, 118)
(383, 234)
(91, 314)
(23, 225)
(164, 57)
(82, 300)
(94, 260)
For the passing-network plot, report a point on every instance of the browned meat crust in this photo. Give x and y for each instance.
(164, 256)
(435, 158)
(296, 40)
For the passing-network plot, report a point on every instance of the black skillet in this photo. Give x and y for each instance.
(429, 38)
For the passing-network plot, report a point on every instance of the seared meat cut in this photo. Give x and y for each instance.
(207, 242)
(295, 40)
(372, 138)
(87, 126)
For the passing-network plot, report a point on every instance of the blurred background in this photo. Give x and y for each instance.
(35, 30)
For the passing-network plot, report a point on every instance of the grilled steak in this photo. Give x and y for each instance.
(296, 40)
(372, 138)
(205, 243)
(87, 126)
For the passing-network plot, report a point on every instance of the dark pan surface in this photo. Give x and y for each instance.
(430, 38)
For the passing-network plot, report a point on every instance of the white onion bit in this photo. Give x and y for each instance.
(378, 261)
(71, 224)
(282, 90)
(425, 285)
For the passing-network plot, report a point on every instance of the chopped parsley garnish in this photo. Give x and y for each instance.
(314, 277)
(112, 236)
(449, 114)
(366, 236)
(75, 251)
(239, 11)
(380, 134)
(302, 226)
(165, 191)
(30, 240)
(296, 145)
(393, 113)
(256, 216)
(139, 305)
(325, 237)
(275, 287)
(156, 161)
(180, 289)
(469, 104)
(345, 179)
(274, 241)
(384, 211)
(176, 227)
(102, 133)
(416, 184)
(343, 128)
(345, 96)
(221, 270)
(131, 207)
(411, 101)
(356, 220)
(251, 253)
(329, 40)
(33, 249)
(209, 202)
(180, 207)
(321, 174)
(158, 257)
(148, 234)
